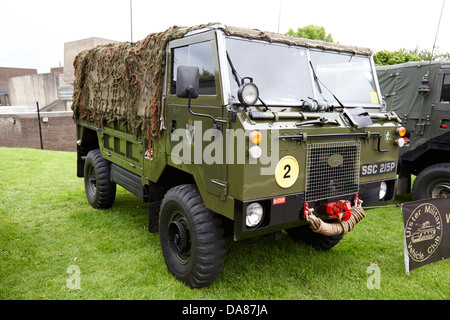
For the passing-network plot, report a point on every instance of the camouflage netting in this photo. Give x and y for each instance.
(124, 83)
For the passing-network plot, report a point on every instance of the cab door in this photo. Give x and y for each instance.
(440, 117)
(193, 143)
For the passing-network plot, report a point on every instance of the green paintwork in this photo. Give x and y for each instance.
(220, 184)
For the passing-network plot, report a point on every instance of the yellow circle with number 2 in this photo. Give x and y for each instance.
(286, 172)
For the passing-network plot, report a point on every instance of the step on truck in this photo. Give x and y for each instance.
(419, 92)
(234, 133)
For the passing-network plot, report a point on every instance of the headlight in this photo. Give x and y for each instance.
(383, 190)
(248, 93)
(254, 214)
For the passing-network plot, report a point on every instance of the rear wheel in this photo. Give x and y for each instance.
(432, 182)
(100, 191)
(316, 240)
(191, 237)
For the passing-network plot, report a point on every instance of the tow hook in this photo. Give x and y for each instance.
(357, 202)
(341, 210)
(307, 211)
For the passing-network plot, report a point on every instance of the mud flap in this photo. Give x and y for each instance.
(153, 216)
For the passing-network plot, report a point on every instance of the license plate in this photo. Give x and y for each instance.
(372, 169)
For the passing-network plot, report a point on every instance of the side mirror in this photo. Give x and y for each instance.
(187, 82)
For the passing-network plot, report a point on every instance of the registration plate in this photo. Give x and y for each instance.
(372, 169)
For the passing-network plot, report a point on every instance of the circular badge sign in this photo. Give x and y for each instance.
(423, 232)
(286, 172)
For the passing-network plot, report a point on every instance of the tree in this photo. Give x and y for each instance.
(312, 32)
(386, 57)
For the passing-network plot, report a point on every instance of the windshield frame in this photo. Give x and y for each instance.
(226, 77)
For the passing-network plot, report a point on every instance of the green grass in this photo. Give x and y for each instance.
(46, 226)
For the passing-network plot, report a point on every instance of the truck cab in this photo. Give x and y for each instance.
(419, 92)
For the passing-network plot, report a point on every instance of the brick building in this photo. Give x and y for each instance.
(22, 88)
(22, 130)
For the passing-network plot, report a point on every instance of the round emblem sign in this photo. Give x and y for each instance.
(423, 232)
(286, 172)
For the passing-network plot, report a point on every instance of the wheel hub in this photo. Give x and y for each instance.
(178, 237)
(441, 190)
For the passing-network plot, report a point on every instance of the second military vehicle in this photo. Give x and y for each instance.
(419, 92)
(234, 132)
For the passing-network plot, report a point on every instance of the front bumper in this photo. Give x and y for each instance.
(285, 212)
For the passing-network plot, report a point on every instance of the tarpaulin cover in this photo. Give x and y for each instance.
(124, 83)
(399, 86)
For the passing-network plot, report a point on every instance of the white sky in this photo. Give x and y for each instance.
(33, 32)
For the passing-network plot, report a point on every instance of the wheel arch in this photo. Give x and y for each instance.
(87, 141)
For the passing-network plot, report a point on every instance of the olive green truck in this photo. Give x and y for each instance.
(234, 133)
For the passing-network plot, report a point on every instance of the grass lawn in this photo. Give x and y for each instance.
(47, 228)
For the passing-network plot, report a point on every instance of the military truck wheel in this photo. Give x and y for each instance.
(100, 191)
(191, 237)
(432, 182)
(313, 239)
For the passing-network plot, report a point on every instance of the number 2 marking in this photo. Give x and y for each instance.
(288, 168)
(286, 172)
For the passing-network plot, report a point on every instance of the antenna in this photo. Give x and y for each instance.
(279, 15)
(437, 31)
(131, 21)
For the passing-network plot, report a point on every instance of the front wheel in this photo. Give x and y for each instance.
(191, 237)
(432, 182)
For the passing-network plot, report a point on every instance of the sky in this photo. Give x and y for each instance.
(33, 32)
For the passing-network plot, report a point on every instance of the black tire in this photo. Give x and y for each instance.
(100, 191)
(432, 182)
(316, 240)
(191, 237)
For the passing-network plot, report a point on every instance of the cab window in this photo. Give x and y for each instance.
(197, 55)
(445, 93)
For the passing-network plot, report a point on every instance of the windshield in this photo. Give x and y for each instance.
(284, 77)
(349, 77)
(280, 72)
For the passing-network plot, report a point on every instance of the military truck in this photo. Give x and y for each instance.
(419, 92)
(234, 133)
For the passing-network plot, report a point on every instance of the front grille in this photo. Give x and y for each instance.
(332, 170)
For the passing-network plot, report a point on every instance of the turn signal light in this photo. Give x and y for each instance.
(256, 137)
(401, 131)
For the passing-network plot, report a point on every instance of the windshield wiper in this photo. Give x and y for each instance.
(233, 71)
(318, 82)
(321, 121)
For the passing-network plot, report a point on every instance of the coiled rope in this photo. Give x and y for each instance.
(337, 228)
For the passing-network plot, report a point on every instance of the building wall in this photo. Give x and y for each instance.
(6, 73)
(27, 90)
(72, 49)
(21, 130)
